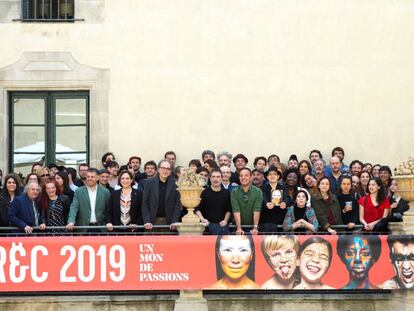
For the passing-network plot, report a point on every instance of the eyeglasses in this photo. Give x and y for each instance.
(45, 175)
(165, 168)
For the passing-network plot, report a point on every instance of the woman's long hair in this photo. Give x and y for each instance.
(319, 182)
(66, 189)
(16, 179)
(382, 194)
(44, 198)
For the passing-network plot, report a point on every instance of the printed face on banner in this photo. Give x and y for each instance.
(277, 197)
(235, 262)
(314, 262)
(131, 263)
(235, 255)
(284, 262)
(358, 259)
(403, 262)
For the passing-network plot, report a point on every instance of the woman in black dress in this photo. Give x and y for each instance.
(54, 206)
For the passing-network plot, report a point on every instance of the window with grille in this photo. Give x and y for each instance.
(48, 10)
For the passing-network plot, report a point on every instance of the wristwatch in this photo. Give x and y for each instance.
(255, 227)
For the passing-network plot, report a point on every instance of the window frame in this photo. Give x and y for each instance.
(49, 125)
(29, 14)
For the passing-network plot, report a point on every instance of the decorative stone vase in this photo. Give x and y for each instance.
(405, 187)
(406, 191)
(190, 199)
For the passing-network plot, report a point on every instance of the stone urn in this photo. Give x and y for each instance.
(190, 199)
(406, 191)
(190, 187)
(405, 187)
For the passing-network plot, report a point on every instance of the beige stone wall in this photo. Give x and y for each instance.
(258, 76)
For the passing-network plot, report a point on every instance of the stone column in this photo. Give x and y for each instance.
(406, 191)
(191, 300)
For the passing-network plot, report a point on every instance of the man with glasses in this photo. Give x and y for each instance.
(161, 202)
(79, 182)
(402, 259)
(246, 202)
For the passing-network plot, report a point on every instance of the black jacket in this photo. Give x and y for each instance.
(113, 212)
(151, 197)
(4, 210)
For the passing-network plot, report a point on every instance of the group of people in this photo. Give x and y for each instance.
(304, 265)
(300, 196)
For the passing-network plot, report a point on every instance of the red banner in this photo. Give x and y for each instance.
(205, 262)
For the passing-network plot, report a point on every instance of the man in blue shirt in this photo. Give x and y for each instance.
(340, 153)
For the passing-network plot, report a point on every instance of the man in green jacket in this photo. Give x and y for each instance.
(89, 203)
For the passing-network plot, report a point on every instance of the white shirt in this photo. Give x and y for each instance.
(92, 199)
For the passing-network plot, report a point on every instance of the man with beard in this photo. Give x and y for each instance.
(258, 178)
(402, 259)
(281, 253)
(359, 253)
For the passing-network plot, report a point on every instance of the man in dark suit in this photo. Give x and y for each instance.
(161, 202)
(23, 211)
(89, 203)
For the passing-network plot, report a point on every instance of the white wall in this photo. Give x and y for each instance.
(253, 76)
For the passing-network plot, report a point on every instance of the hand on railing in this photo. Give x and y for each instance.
(133, 227)
(148, 226)
(331, 231)
(173, 226)
(28, 229)
(70, 226)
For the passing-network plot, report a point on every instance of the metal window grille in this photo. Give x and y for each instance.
(48, 10)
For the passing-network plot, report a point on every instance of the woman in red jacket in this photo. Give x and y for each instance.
(374, 207)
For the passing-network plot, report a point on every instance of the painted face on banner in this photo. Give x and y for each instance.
(284, 262)
(314, 262)
(403, 262)
(358, 259)
(235, 255)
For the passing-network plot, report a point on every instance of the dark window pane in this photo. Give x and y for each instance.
(67, 9)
